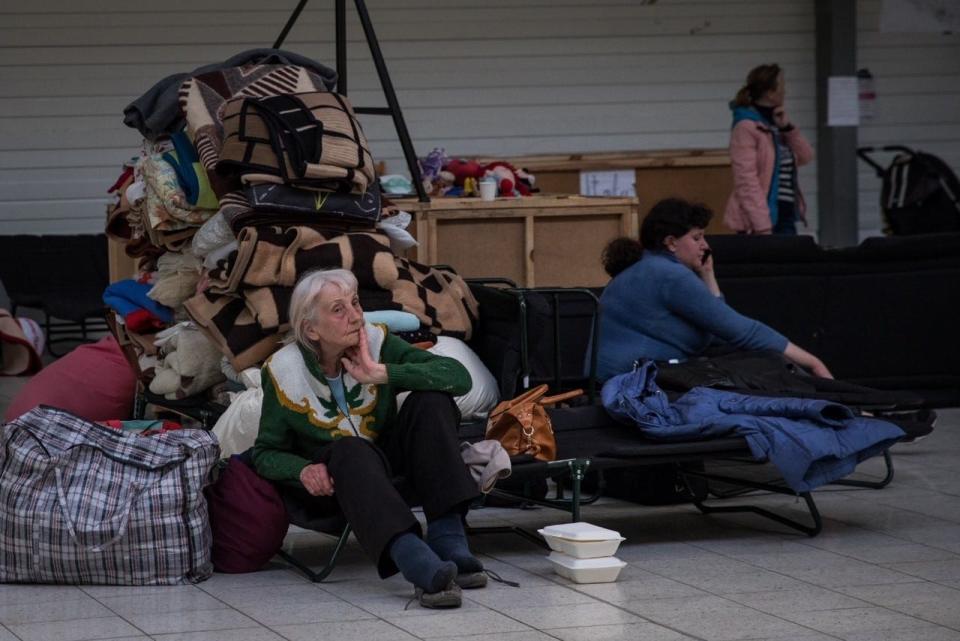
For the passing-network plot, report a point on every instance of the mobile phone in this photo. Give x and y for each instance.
(706, 256)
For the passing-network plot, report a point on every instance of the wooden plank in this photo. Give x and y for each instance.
(529, 247)
(711, 186)
(477, 249)
(121, 266)
(568, 249)
(433, 245)
(622, 160)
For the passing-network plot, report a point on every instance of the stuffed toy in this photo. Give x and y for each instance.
(465, 174)
(190, 363)
(509, 181)
(430, 169)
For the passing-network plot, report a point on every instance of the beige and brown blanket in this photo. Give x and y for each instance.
(244, 311)
(309, 139)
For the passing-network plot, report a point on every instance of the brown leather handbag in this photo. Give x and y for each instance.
(523, 426)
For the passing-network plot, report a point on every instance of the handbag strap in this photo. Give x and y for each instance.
(559, 398)
(530, 396)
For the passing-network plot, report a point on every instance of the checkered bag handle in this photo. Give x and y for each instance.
(123, 517)
(58, 463)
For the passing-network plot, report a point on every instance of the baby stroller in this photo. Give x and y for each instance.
(920, 193)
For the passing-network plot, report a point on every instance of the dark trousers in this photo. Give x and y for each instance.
(422, 447)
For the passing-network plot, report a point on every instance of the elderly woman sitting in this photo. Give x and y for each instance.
(330, 426)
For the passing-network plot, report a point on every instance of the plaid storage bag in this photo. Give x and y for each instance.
(84, 503)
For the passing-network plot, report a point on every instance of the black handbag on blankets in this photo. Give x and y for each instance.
(282, 204)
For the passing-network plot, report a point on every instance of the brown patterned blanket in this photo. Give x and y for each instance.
(202, 98)
(244, 311)
(309, 140)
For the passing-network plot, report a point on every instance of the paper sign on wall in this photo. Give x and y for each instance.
(843, 101)
(621, 182)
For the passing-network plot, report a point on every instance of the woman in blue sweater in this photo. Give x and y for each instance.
(664, 302)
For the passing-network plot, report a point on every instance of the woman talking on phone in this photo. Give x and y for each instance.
(765, 151)
(664, 302)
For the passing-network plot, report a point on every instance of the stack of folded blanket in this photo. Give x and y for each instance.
(253, 172)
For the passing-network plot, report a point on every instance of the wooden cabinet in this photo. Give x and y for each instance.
(698, 175)
(543, 240)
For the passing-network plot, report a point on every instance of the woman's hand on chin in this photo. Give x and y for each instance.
(359, 364)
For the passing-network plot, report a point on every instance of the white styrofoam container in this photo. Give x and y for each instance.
(603, 570)
(582, 540)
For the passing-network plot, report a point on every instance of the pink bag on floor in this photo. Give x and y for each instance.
(93, 381)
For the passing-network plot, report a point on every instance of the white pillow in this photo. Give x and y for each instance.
(484, 395)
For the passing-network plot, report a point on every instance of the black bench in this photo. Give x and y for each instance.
(63, 277)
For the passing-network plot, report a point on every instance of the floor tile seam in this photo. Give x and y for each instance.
(865, 604)
(503, 614)
(467, 637)
(874, 530)
(227, 606)
(922, 578)
(955, 628)
(10, 632)
(684, 635)
(804, 543)
(309, 585)
(116, 614)
(814, 585)
(912, 485)
(59, 603)
(372, 614)
(144, 632)
(614, 605)
(883, 564)
(814, 630)
(942, 583)
(125, 635)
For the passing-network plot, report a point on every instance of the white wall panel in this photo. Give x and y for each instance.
(502, 77)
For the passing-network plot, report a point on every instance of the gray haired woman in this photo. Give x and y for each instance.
(331, 429)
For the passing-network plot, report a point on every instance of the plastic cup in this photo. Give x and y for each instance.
(488, 190)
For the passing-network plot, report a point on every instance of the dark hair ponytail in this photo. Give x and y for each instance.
(760, 80)
(619, 254)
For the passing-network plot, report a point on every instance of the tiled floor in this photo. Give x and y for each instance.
(885, 568)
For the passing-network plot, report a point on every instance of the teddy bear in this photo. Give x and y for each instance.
(510, 180)
(465, 174)
(431, 167)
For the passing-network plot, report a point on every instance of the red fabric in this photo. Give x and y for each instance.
(143, 322)
(93, 381)
(247, 518)
(127, 173)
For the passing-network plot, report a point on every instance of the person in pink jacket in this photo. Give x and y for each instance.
(765, 151)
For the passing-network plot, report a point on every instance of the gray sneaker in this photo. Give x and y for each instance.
(449, 597)
(472, 580)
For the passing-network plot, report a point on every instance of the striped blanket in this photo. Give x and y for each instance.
(310, 140)
(244, 311)
(202, 99)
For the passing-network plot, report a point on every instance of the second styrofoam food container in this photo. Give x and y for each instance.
(582, 540)
(602, 570)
